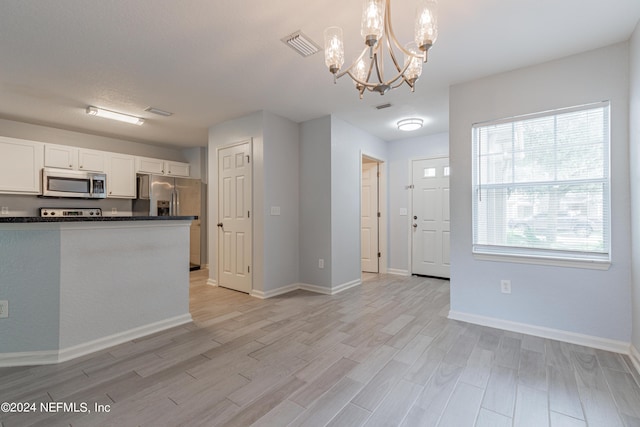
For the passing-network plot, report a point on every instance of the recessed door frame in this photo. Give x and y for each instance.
(217, 210)
(382, 208)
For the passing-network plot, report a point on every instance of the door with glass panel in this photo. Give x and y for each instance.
(430, 222)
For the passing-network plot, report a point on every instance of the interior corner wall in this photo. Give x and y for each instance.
(229, 132)
(590, 302)
(281, 190)
(401, 152)
(634, 156)
(315, 202)
(348, 143)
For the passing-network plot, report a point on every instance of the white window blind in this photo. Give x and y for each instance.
(541, 185)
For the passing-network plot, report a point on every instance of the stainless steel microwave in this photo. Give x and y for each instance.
(68, 183)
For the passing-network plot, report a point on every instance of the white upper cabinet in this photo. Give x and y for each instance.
(92, 160)
(60, 156)
(20, 165)
(148, 165)
(121, 176)
(177, 169)
(161, 167)
(65, 157)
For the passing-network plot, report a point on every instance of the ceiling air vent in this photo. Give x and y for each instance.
(383, 106)
(301, 43)
(158, 111)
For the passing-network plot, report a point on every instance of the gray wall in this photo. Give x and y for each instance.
(401, 152)
(33, 293)
(275, 183)
(281, 189)
(315, 201)
(590, 302)
(634, 143)
(348, 143)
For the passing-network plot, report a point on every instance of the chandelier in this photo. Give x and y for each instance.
(367, 71)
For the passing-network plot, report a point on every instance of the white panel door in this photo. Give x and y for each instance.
(430, 218)
(234, 217)
(369, 218)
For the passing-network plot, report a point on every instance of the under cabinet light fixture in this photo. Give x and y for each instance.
(95, 111)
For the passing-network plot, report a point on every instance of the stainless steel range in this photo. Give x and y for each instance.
(68, 213)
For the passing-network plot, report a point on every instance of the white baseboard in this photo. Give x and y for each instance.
(274, 292)
(28, 358)
(398, 272)
(314, 288)
(345, 286)
(634, 355)
(57, 356)
(212, 282)
(305, 287)
(540, 331)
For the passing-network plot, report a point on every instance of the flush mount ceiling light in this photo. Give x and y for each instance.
(94, 111)
(408, 125)
(367, 71)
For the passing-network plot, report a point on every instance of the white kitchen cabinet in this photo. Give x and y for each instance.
(60, 156)
(91, 160)
(121, 176)
(20, 165)
(65, 157)
(149, 165)
(161, 167)
(176, 169)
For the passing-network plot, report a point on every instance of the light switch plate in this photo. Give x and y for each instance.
(403, 211)
(275, 210)
(4, 210)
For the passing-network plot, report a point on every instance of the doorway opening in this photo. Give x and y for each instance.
(373, 259)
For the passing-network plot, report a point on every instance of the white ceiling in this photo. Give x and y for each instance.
(208, 61)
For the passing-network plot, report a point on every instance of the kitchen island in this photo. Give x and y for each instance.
(78, 285)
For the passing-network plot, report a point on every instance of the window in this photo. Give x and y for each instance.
(541, 185)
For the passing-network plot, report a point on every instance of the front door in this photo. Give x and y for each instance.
(234, 217)
(430, 218)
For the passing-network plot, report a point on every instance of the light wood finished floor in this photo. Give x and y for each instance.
(379, 354)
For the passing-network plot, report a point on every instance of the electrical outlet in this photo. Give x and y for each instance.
(114, 211)
(320, 263)
(4, 210)
(505, 286)
(4, 309)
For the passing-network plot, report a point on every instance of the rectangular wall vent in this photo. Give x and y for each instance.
(301, 43)
(382, 106)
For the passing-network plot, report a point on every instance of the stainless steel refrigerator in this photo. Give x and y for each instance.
(167, 196)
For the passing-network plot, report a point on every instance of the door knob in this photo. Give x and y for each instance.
(220, 225)
(415, 217)
(415, 225)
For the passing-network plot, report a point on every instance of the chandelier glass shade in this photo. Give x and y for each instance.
(367, 71)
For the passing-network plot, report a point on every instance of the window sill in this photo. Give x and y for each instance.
(590, 264)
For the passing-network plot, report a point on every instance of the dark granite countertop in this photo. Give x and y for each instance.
(34, 219)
